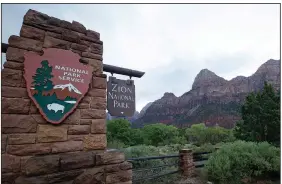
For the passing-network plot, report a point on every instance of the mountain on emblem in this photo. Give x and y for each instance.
(56, 84)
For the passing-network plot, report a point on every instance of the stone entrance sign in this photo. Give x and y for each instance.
(120, 97)
(56, 82)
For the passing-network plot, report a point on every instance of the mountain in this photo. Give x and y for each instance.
(212, 99)
(69, 86)
(143, 111)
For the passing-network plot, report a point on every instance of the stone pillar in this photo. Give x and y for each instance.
(35, 151)
(187, 166)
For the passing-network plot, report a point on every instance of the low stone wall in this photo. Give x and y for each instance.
(35, 151)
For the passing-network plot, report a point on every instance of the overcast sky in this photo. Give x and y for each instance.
(171, 43)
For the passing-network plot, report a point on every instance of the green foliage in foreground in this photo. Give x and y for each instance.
(260, 117)
(239, 160)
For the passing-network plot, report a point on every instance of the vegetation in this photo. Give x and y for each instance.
(250, 151)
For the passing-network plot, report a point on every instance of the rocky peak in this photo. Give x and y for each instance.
(168, 95)
(271, 66)
(205, 78)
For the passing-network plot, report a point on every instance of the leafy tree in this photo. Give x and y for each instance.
(260, 117)
(42, 78)
(118, 129)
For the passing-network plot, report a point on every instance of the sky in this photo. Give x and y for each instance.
(170, 43)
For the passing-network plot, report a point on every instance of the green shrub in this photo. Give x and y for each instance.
(236, 161)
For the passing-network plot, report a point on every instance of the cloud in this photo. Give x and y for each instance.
(172, 43)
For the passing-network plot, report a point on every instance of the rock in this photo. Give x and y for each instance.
(50, 133)
(86, 121)
(98, 126)
(10, 163)
(95, 142)
(76, 137)
(54, 35)
(68, 146)
(83, 106)
(13, 92)
(76, 51)
(13, 65)
(70, 161)
(25, 43)
(3, 143)
(121, 176)
(70, 36)
(79, 47)
(92, 56)
(76, 26)
(93, 34)
(15, 106)
(50, 42)
(7, 178)
(63, 176)
(93, 114)
(93, 175)
(40, 165)
(35, 17)
(16, 54)
(98, 103)
(118, 167)
(29, 149)
(60, 23)
(97, 65)
(21, 139)
(110, 157)
(32, 180)
(12, 78)
(100, 83)
(14, 123)
(74, 118)
(96, 48)
(78, 129)
(97, 93)
(32, 33)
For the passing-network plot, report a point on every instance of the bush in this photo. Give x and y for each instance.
(236, 161)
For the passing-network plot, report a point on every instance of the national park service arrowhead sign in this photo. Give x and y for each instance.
(56, 82)
(120, 97)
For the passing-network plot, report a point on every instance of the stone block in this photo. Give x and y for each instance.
(93, 34)
(3, 143)
(8, 178)
(96, 48)
(32, 33)
(71, 36)
(25, 43)
(86, 99)
(50, 42)
(50, 133)
(68, 146)
(40, 165)
(86, 40)
(10, 163)
(21, 139)
(15, 105)
(93, 114)
(60, 23)
(98, 103)
(79, 47)
(117, 177)
(15, 123)
(76, 51)
(35, 17)
(95, 142)
(83, 106)
(90, 176)
(54, 35)
(12, 78)
(63, 176)
(98, 126)
(99, 82)
(74, 118)
(13, 92)
(92, 56)
(86, 121)
(76, 26)
(97, 93)
(38, 118)
(97, 65)
(29, 149)
(32, 180)
(13, 65)
(70, 161)
(110, 157)
(118, 167)
(76, 137)
(78, 129)
(16, 54)
(33, 109)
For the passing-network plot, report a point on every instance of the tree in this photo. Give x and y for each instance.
(260, 117)
(42, 78)
(118, 129)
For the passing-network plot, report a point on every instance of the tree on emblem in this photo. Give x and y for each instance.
(42, 78)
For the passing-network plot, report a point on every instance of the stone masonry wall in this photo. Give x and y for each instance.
(37, 152)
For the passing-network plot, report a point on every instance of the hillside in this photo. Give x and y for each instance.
(212, 99)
